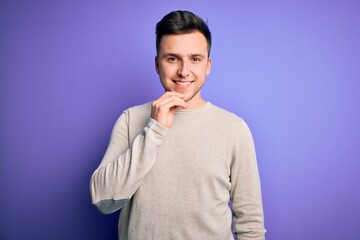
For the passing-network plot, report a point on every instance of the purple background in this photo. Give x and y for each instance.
(68, 69)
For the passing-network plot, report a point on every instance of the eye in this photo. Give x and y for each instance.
(172, 59)
(196, 59)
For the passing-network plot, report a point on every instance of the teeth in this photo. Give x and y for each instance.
(183, 83)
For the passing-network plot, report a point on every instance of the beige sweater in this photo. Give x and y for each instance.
(177, 183)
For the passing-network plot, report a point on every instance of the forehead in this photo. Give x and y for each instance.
(189, 43)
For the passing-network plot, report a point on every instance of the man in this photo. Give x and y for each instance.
(173, 165)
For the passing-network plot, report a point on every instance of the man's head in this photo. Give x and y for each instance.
(181, 22)
(183, 44)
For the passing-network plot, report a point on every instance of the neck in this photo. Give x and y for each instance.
(195, 103)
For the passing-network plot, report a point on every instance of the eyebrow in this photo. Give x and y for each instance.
(178, 56)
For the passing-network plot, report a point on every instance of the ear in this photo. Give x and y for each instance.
(208, 68)
(157, 64)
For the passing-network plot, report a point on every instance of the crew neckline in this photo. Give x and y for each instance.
(184, 111)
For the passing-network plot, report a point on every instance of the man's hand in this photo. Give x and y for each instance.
(164, 107)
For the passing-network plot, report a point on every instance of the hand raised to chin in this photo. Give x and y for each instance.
(163, 108)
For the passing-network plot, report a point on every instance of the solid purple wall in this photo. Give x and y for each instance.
(69, 68)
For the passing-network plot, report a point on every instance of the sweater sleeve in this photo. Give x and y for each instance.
(124, 164)
(248, 217)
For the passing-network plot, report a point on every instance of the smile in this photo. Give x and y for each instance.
(182, 83)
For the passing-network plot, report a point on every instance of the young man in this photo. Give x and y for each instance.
(173, 165)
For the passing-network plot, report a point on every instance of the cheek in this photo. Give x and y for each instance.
(167, 71)
(203, 72)
(165, 75)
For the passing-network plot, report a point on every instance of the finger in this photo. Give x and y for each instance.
(175, 102)
(174, 94)
(169, 102)
(167, 96)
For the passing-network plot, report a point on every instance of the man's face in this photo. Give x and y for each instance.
(183, 64)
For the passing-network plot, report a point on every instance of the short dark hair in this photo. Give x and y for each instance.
(181, 22)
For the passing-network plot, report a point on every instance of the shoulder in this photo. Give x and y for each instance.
(229, 123)
(134, 115)
(236, 129)
(143, 109)
(137, 117)
(137, 112)
(225, 117)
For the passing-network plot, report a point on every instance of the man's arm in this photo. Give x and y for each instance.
(248, 220)
(123, 167)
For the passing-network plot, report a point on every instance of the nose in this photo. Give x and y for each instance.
(184, 70)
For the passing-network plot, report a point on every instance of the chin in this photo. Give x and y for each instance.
(189, 97)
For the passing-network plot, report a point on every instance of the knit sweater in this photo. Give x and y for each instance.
(177, 183)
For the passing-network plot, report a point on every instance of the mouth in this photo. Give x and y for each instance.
(183, 83)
